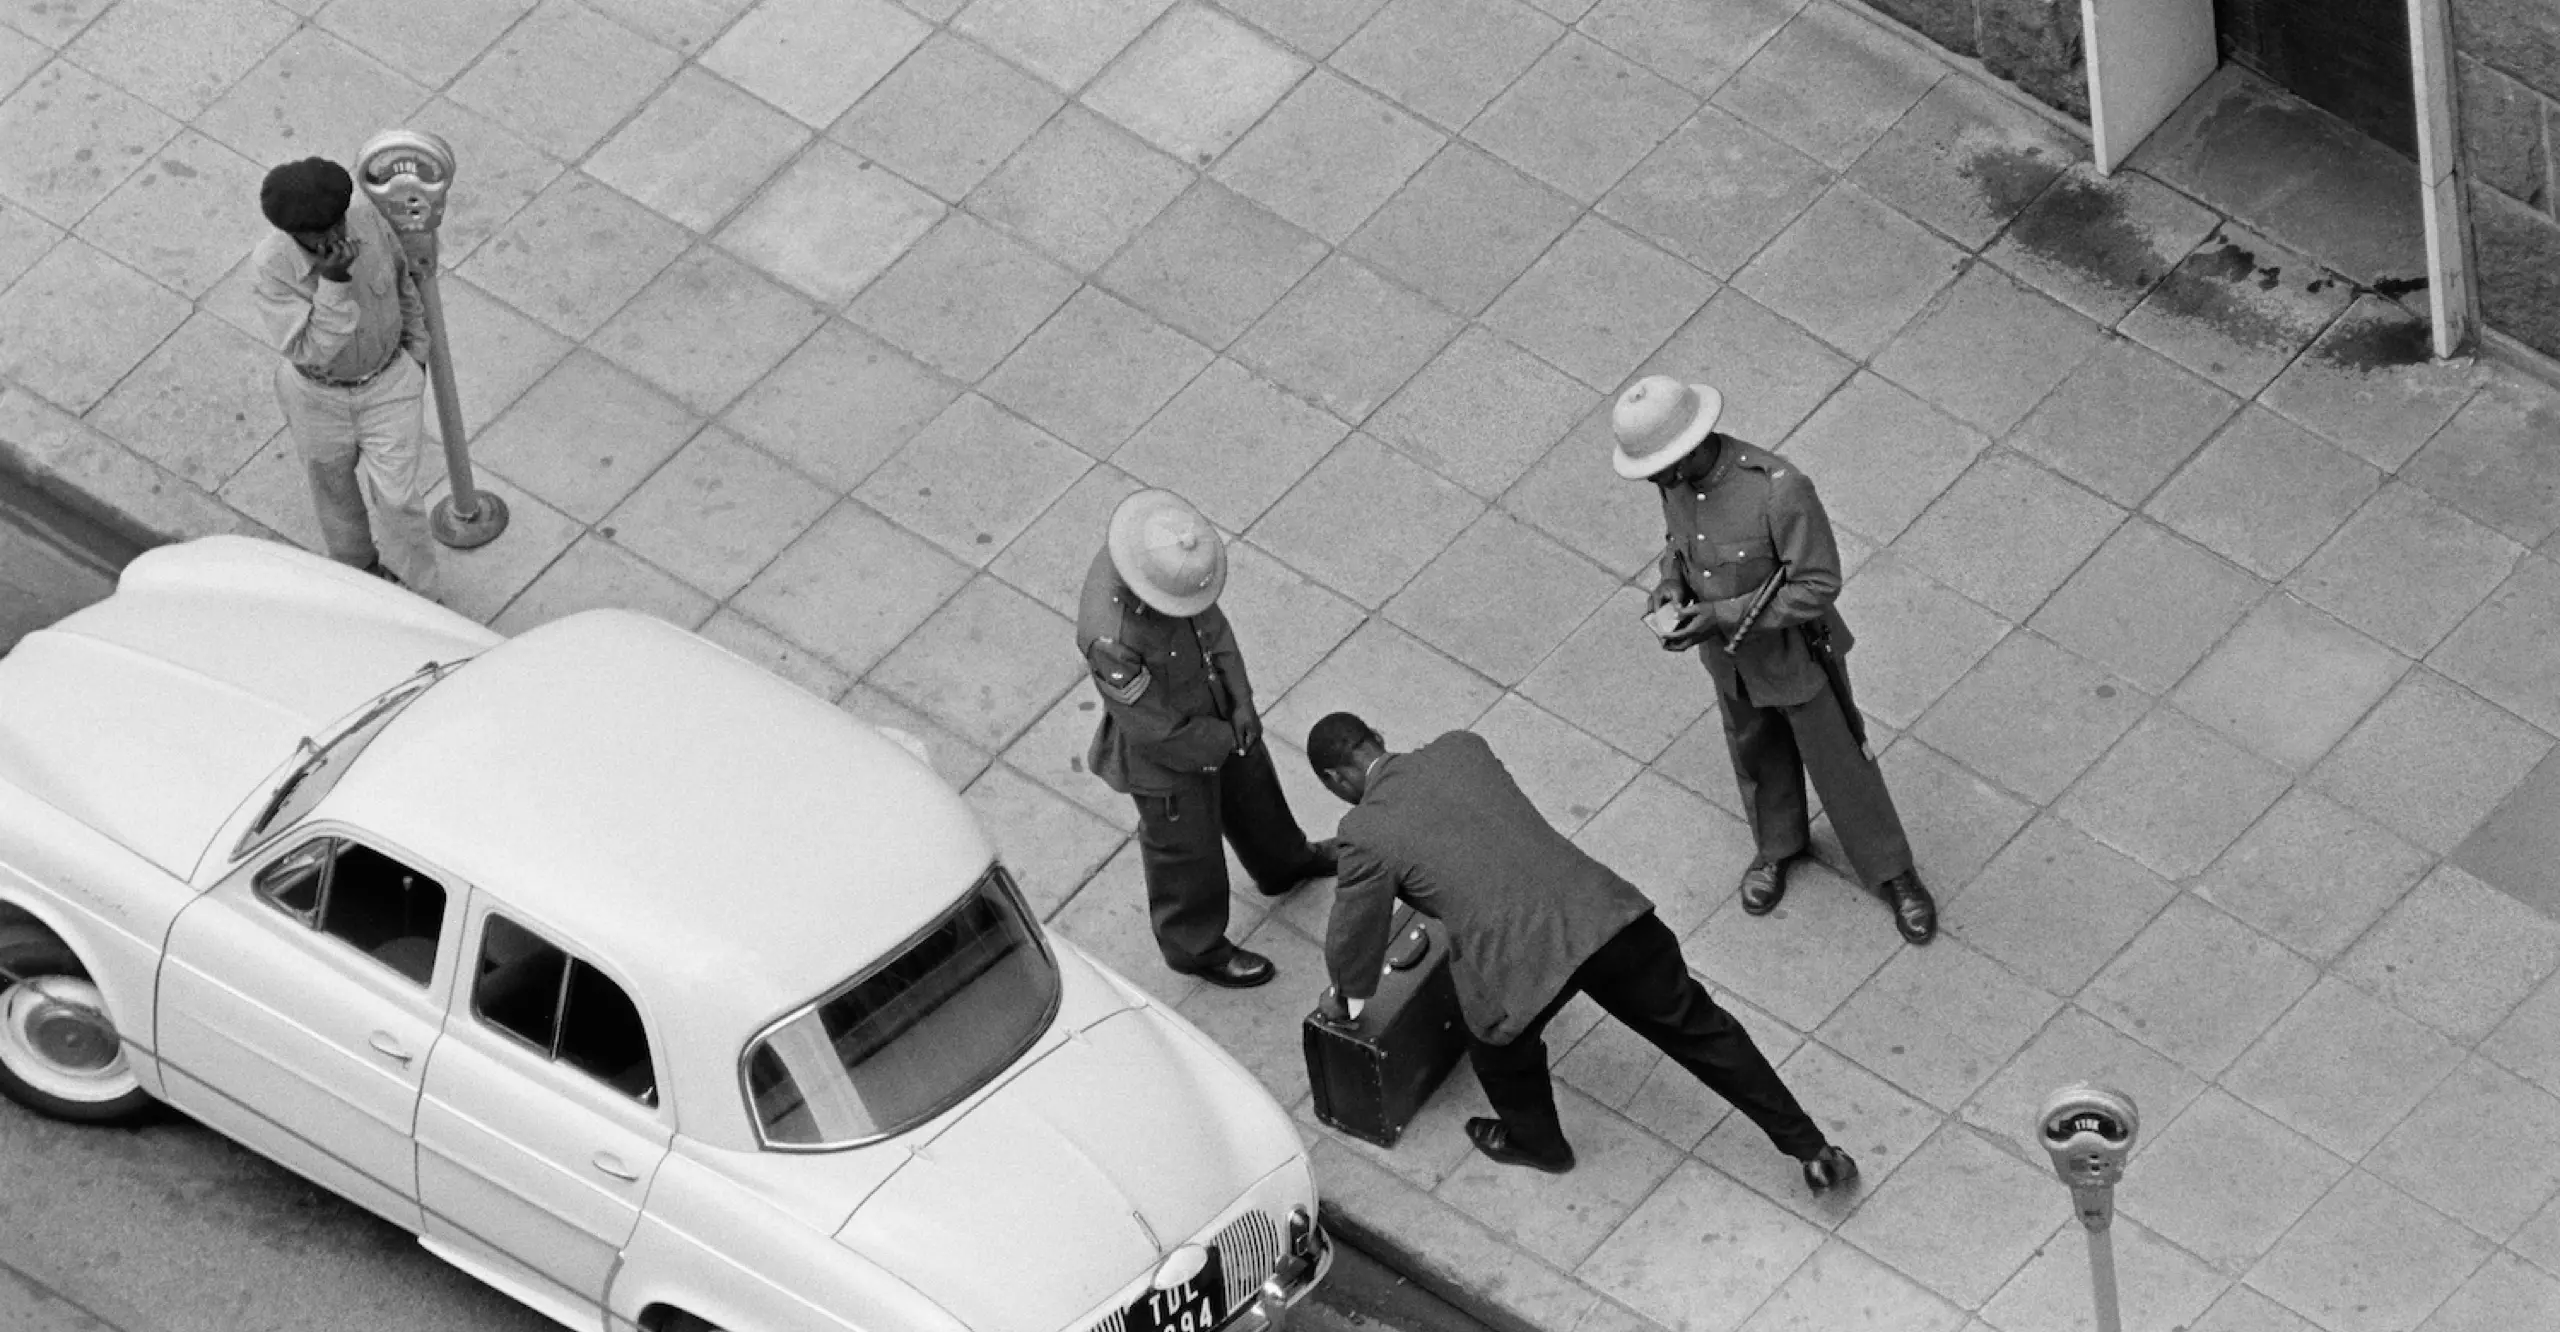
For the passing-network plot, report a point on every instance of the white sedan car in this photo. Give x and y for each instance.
(634, 981)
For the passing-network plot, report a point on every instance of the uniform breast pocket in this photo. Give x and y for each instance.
(1742, 566)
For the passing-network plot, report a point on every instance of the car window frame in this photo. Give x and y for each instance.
(312, 759)
(1040, 1030)
(464, 1010)
(436, 992)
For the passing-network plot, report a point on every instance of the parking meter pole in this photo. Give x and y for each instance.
(2102, 1279)
(407, 173)
(2088, 1131)
(2097, 1211)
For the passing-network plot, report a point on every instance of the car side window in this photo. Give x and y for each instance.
(384, 909)
(564, 1008)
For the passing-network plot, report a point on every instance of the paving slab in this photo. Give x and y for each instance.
(1581, 117)
(1447, 59)
(2238, 308)
(1965, 160)
(1346, 338)
(2369, 1257)
(836, 328)
(1463, 227)
(2331, 676)
(2431, 761)
(2052, 1290)
(1329, 155)
(2490, 460)
(2100, 244)
(1851, 269)
(1988, 349)
(1831, 82)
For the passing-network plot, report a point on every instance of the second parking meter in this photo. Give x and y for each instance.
(407, 174)
(2088, 1131)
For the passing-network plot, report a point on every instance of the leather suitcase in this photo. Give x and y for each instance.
(1370, 1081)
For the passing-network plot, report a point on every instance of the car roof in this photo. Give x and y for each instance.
(730, 845)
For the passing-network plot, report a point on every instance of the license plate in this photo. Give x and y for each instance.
(1193, 1306)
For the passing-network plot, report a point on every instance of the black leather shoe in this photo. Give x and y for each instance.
(1829, 1169)
(1492, 1139)
(1240, 969)
(1914, 913)
(1763, 883)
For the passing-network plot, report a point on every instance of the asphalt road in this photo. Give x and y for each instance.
(171, 1228)
(52, 562)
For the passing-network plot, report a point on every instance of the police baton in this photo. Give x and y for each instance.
(1751, 614)
(406, 173)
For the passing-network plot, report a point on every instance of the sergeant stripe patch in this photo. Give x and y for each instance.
(1120, 689)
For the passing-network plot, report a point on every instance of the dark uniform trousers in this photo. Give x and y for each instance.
(1639, 978)
(1775, 748)
(1181, 833)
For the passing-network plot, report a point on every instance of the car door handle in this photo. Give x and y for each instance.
(612, 1165)
(381, 1041)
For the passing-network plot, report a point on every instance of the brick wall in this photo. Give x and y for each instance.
(2032, 43)
(2507, 80)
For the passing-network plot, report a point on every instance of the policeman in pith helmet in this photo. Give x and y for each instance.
(1749, 574)
(1180, 735)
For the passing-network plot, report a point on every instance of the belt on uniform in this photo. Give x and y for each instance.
(359, 381)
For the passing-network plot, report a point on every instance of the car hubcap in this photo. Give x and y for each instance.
(56, 1036)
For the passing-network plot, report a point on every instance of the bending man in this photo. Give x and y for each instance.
(1532, 921)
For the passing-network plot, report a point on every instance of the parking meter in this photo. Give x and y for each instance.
(2088, 1131)
(407, 174)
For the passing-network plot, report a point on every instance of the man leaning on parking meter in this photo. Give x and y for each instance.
(337, 299)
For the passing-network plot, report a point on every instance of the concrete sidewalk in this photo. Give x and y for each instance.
(2215, 633)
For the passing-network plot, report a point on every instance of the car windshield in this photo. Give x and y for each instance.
(913, 1036)
(323, 763)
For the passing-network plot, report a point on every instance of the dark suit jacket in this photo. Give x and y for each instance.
(1725, 533)
(1446, 829)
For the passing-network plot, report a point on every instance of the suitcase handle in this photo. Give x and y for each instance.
(1408, 951)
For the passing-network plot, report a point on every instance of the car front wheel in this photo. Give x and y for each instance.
(59, 1052)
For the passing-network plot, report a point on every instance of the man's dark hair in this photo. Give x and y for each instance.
(1330, 741)
(309, 195)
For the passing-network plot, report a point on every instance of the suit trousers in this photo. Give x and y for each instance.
(1773, 749)
(1640, 978)
(1179, 846)
(367, 444)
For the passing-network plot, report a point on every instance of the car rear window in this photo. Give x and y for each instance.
(912, 1036)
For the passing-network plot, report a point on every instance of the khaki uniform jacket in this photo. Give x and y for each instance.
(1446, 828)
(1167, 687)
(1724, 536)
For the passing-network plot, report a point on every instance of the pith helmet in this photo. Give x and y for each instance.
(1658, 420)
(1167, 553)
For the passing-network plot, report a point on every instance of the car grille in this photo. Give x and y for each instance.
(1248, 1248)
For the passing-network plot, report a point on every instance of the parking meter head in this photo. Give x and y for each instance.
(2088, 1131)
(406, 173)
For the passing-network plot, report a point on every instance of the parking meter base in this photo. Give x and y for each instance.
(469, 531)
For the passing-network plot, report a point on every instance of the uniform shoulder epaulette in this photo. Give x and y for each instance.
(1762, 461)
